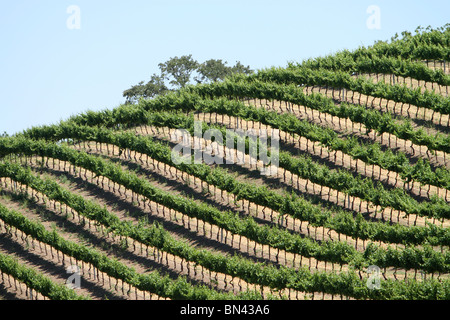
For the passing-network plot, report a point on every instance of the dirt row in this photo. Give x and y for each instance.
(384, 105)
(412, 83)
(330, 157)
(224, 198)
(212, 232)
(437, 65)
(325, 193)
(11, 246)
(17, 290)
(392, 273)
(291, 294)
(94, 283)
(218, 281)
(346, 126)
(203, 229)
(181, 267)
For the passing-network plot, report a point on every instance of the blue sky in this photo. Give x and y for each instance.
(49, 72)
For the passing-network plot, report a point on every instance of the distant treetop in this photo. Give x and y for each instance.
(179, 71)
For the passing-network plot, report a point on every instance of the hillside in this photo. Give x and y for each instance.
(355, 206)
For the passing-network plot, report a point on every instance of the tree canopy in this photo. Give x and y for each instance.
(178, 72)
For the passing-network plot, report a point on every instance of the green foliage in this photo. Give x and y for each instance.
(35, 280)
(258, 273)
(154, 87)
(179, 71)
(220, 89)
(215, 70)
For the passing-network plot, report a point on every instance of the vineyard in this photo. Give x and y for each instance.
(356, 208)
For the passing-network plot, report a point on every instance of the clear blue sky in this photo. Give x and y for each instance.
(49, 72)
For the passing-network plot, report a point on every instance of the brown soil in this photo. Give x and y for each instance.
(129, 206)
(251, 245)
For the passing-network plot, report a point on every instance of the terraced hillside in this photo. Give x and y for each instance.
(357, 207)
